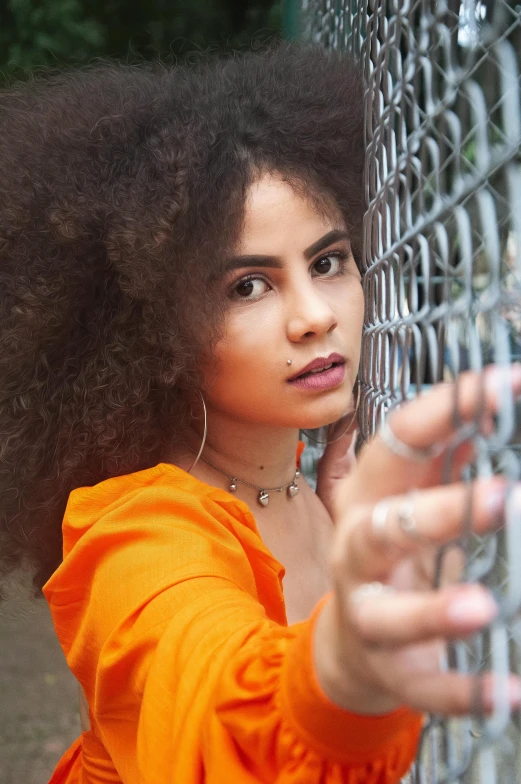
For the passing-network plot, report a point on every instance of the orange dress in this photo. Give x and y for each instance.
(170, 611)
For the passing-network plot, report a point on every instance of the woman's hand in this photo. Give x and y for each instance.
(338, 459)
(379, 640)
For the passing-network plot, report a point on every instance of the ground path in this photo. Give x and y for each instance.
(39, 716)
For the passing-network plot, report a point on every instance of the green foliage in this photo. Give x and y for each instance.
(70, 32)
(48, 31)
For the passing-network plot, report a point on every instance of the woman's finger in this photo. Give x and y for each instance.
(375, 538)
(435, 416)
(338, 457)
(429, 420)
(404, 618)
(451, 694)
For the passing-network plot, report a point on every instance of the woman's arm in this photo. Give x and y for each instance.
(186, 677)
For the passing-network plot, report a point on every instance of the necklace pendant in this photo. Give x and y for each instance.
(263, 498)
(233, 485)
(293, 490)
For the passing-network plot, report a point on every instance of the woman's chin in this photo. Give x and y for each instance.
(313, 423)
(318, 425)
(327, 416)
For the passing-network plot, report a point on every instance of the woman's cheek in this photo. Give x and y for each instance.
(254, 330)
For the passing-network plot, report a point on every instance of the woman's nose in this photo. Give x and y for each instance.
(309, 314)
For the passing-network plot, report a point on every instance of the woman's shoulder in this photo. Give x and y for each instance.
(142, 547)
(163, 494)
(144, 532)
(161, 519)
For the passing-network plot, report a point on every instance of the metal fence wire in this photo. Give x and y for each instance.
(442, 262)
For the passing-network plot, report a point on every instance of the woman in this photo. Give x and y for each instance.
(181, 295)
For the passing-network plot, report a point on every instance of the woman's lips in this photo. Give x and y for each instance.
(318, 363)
(325, 379)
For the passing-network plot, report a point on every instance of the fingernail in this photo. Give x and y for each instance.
(472, 608)
(515, 368)
(495, 501)
(515, 693)
(516, 497)
(512, 687)
(500, 375)
(510, 503)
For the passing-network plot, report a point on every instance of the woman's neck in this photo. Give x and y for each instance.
(262, 455)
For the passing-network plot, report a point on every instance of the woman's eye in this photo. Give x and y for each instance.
(329, 265)
(250, 288)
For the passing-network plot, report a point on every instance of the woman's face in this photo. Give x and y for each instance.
(293, 292)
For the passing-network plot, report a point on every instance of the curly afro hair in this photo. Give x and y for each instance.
(123, 192)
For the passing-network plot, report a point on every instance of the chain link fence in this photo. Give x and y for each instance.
(442, 265)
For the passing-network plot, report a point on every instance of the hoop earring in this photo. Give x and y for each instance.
(342, 434)
(205, 428)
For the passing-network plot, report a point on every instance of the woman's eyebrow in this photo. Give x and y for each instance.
(253, 261)
(238, 262)
(328, 239)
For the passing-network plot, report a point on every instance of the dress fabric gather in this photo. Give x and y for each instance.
(170, 611)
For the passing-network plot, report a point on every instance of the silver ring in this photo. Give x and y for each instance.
(401, 449)
(370, 590)
(407, 520)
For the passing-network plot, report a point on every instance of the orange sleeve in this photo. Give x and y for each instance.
(187, 678)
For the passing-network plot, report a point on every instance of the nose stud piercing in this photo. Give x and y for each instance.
(290, 361)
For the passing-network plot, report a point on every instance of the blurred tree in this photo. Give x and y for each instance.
(63, 32)
(38, 33)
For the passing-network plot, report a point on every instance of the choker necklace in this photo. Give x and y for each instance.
(263, 496)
